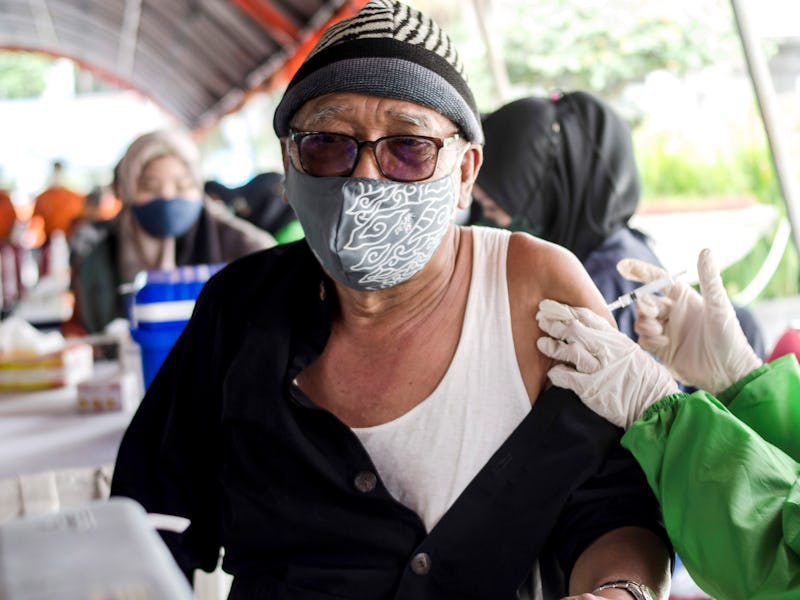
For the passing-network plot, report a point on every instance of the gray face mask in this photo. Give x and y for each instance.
(371, 234)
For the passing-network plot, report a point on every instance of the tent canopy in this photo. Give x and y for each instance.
(198, 59)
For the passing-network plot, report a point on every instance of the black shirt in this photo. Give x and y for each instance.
(223, 438)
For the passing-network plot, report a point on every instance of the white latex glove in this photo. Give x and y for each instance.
(697, 337)
(610, 372)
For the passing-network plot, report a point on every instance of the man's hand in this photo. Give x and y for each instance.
(607, 595)
(593, 597)
(697, 337)
(629, 555)
(612, 375)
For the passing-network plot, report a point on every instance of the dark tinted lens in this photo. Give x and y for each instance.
(407, 158)
(327, 154)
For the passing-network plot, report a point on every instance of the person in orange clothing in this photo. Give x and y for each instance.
(58, 205)
(8, 216)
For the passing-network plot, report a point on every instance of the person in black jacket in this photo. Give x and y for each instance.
(259, 201)
(341, 416)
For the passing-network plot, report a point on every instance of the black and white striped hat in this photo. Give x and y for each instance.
(387, 49)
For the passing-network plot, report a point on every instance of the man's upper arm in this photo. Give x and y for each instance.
(540, 270)
(616, 496)
(569, 283)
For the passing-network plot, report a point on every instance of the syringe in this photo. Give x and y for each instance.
(647, 288)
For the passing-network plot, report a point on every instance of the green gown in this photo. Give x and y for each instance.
(725, 471)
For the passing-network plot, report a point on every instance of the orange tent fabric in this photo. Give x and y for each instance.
(59, 207)
(8, 216)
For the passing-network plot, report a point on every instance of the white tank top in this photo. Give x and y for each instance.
(427, 456)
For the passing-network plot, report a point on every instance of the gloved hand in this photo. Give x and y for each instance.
(698, 338)
(610, 372)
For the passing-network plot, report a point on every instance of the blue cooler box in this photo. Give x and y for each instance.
(161, 309)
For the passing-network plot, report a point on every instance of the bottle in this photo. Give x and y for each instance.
(8, 271)
(28, 270)
(58, 259)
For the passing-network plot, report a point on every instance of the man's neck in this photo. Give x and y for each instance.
(404, 304)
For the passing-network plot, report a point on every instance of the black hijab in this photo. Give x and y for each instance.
(566, 165)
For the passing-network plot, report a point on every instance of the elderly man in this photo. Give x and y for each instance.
(365, 414)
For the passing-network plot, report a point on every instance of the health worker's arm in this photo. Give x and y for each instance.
(730, 499)
(768, 400)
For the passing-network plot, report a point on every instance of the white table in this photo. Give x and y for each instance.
(43, 430)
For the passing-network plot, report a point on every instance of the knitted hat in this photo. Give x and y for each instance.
(150, 146)
(391, 50)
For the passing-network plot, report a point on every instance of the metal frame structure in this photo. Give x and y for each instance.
(765, 96)
(198, 59)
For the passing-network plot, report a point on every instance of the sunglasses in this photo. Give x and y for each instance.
(404, 158)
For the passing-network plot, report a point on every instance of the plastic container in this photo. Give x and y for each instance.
(160, 310)
(155, 344)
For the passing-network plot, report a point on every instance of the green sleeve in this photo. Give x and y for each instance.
(768, 400)
(290, 232)
(729, 499)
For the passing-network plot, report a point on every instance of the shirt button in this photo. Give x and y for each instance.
(421, 563)
(365, 481)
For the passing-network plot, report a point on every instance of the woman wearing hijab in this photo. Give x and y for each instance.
(563, 169)
(165, 221)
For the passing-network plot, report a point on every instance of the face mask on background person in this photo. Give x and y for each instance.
(167, 200)
(167, 217)
(371, 234)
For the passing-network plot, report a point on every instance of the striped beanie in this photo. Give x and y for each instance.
(391, 50)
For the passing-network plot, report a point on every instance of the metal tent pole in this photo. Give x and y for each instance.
(496, 64)
(765, 96)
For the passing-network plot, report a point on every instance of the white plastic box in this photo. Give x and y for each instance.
(103, 550)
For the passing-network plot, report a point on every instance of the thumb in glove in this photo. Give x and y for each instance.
(697, 337)
(610, 373)
(735, 357)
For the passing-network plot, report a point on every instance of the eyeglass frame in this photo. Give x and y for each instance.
(438, 142)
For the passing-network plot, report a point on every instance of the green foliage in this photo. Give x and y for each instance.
(602, 47)
(785, 281)
(682, 173)
(681, 177)
(592, 45)
(754, 164)
(22, 74)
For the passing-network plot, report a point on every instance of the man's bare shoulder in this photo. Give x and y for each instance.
(540, 262)
(534, 248)
(538, 269)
